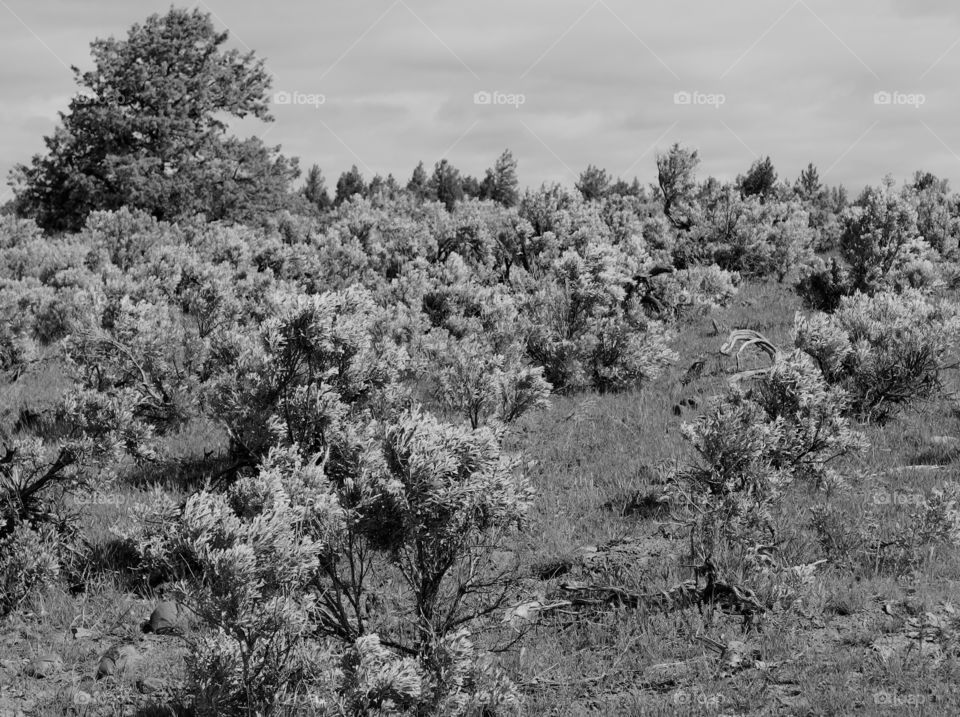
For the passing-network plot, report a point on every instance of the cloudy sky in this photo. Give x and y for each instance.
(562, 83)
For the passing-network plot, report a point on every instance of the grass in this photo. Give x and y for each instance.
(598, 463)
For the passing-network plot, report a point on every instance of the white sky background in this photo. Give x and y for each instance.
(598, 79)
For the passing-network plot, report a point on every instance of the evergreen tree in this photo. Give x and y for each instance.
(315, 189)
(760, 180)
(594, 183)
(350, 183)
(147, 131)
(808, 186)
(500, 183)
(471, 187)
(419, 184)
(446, 185)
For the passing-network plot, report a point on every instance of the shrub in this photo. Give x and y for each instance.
(470, 379)
(686, 291)
(887, 351)
(313, 363)
(879, 235)
(585, 333)
(294, 556)
(745, 234)
(821, 285)
(252, 557)
(890, 545)
(29, 558)
(751, 443)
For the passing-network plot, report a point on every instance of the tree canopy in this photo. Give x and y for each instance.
(148, 130)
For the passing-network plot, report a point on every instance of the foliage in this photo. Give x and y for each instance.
(147, 131)
(686, 291)
(284, 558)
(470, 379)
(313, 362)
(757, 238)
(500, 183)
(760, 180)
(584, 331)
(887, 351)
(29, 558)
(890, 545)
(676, 178)
(751, 444)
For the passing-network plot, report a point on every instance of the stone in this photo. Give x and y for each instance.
(117, 659)
(45, 665)
(168, 618)
(82, 633)
(148, 685)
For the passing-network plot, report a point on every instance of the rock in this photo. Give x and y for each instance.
(148, 685)
(82, 633)
(117, 659)
(45, 665)
(168, 618)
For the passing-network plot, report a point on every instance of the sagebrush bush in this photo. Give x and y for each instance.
(293, 557)
(312, 363)
(887, 351)
(585, 333)
(879, 240)
(882, 544)
(247, 558)
(29, 558)
(688, 291)
(752, 442)
(468, 378)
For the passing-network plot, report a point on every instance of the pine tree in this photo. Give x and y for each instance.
(148, 131)
(760, 180)
(500, 183)
(350, 183)
(315, 190)
(446, 185)
(594, 183)
(418, 185)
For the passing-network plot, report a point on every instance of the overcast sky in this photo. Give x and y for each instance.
(569, 82)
